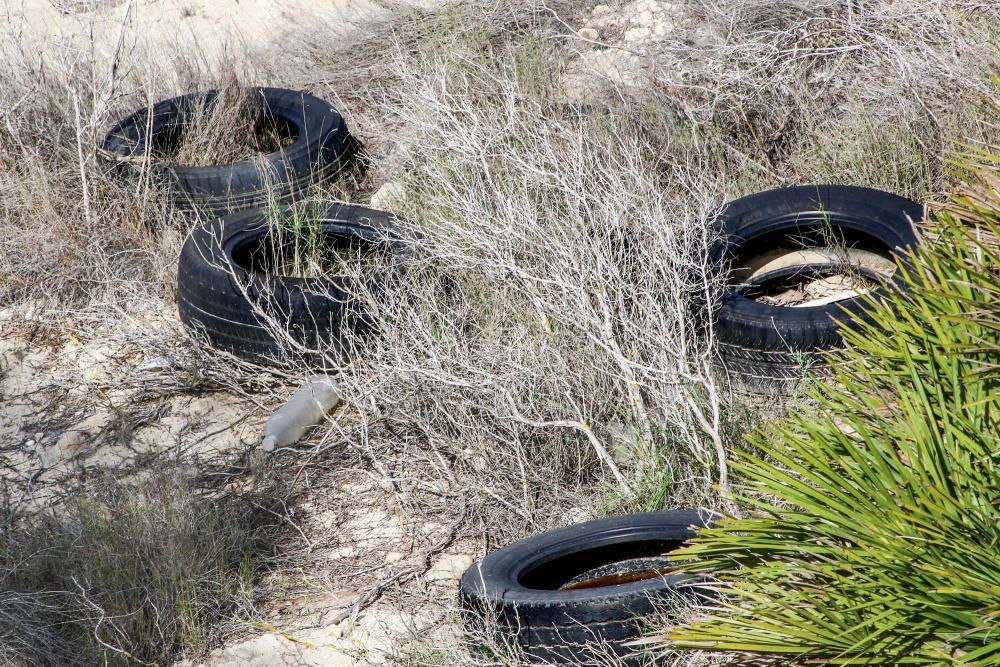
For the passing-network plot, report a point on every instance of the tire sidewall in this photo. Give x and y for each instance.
(744, 322)
(305, 305)
(321, 139)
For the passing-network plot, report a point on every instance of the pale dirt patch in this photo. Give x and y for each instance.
(372, 639)
(74, 400)
(623, 43)
(205, 29)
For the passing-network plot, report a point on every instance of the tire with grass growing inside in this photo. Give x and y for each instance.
(283, 284)
(800, 264)
(289, 140)
(579, 594)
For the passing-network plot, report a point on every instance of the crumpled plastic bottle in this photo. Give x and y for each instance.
(317, 396)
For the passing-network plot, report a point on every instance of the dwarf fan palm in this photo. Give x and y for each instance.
(875, 529)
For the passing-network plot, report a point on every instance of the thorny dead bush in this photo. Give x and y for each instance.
(554, 312)
(230, 126)
(123, 573)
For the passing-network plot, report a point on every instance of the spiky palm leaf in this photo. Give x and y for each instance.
(875, 538)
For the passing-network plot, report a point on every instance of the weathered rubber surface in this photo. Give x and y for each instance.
(241, 311)
(322, 147)
(511, 594)
(770, 346)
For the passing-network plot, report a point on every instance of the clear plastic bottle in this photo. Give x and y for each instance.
(317, 396)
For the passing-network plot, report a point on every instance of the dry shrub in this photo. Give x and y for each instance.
(868, 93)
(143, 572)
(228, 125)
(558, 306)
(548, 335)
(74, 230)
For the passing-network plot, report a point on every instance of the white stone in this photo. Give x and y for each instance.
(449, 567)
(389, 197)
(636, 35)
(343, 552)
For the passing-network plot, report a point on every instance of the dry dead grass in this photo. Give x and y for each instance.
(544, 356)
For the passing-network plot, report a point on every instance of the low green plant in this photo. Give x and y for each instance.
(875, 530)
(297, 245)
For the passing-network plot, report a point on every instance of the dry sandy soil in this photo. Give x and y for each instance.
(210, 28)
(77, 407)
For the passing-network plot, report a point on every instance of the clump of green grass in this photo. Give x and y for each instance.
(298, 245)
(143, 573)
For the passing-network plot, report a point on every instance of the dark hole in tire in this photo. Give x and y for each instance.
(598, 563)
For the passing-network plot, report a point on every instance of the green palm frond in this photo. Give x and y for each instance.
(875, 535)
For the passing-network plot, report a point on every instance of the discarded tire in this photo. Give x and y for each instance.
(230, 293)
(578, 594)
(784, 237)
(320, 146)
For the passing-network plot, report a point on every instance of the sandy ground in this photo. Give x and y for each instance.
(80, 398)
(209, 28)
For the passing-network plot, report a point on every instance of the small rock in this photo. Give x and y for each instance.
(389, 197)
(393, 557)
(160, 363)
(449, 567)
(343, 552)
(636, 35)
(588, 33)
(601, 10)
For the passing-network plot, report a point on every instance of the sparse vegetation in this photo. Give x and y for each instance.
(137, 573)
(297, 245)
(231, 125)
(545, 357)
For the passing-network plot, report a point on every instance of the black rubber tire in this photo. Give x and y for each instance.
(321, 148)
(512, 593)
(769, 346)
(221, 300)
